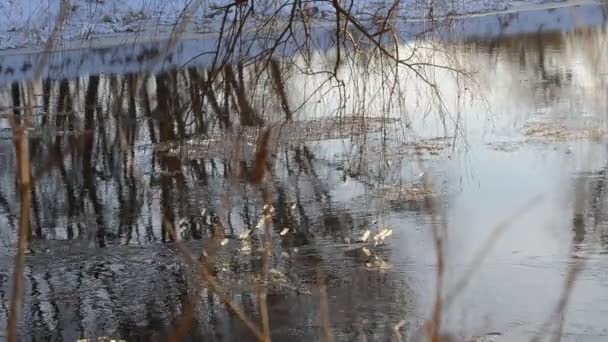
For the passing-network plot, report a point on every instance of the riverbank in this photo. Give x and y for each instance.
(124, 52)
(29, 23)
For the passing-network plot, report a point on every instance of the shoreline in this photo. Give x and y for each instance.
(153, 34)
(130, 52)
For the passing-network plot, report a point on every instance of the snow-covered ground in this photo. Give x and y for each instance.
(121, 52)
(29, 22)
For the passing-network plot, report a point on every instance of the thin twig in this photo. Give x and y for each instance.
(213, 284)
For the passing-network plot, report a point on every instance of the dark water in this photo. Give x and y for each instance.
(117, 166)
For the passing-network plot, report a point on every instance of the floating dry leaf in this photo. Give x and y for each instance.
(387, 233)
(399, 325)
(552, 132)
(261, 222)
(244, 235)
(405, 192)
(490, 337)
(379, 264)
(383, 234)
(277, 277)
(365, 236)
(245, 247)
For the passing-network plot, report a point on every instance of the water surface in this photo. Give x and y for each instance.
(517, 142)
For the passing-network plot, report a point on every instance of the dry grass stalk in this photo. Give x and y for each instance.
(21, 141)
(558, 315)
(187, 316)
(212, 283)
(263, 284)
(486, 247)
(203, 266)
(433, 327)
(257, 177)
(64, 14)
(560, 309)
(328, 333)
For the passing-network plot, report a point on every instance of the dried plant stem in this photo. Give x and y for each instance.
(213, 284)
(324, 307)
(440, 231)
(21, 141)
(560, 310)
(187, 316)
(558, 315)
(485, 250)
(435, 327)
(184, 323)
(263, 284)
(53, 41)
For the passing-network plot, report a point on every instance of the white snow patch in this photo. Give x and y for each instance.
(30, 22)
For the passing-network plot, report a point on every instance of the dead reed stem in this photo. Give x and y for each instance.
(64, 14)
(21, 141)
(440, 230)
(560, 310)
(185, 322)
(558, 314)
(324, 307)
(213, 284)
(263, 284)
(486, 247)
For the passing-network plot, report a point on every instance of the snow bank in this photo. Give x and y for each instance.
(29, 22)
(132, 54)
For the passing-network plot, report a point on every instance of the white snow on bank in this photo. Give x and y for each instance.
(29, 22)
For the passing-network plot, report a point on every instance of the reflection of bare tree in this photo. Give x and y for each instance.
(103, 281)
(97, 163)
(88, 161)
(7, 211)
(553, 58)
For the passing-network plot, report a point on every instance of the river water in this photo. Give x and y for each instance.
(505, 159)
